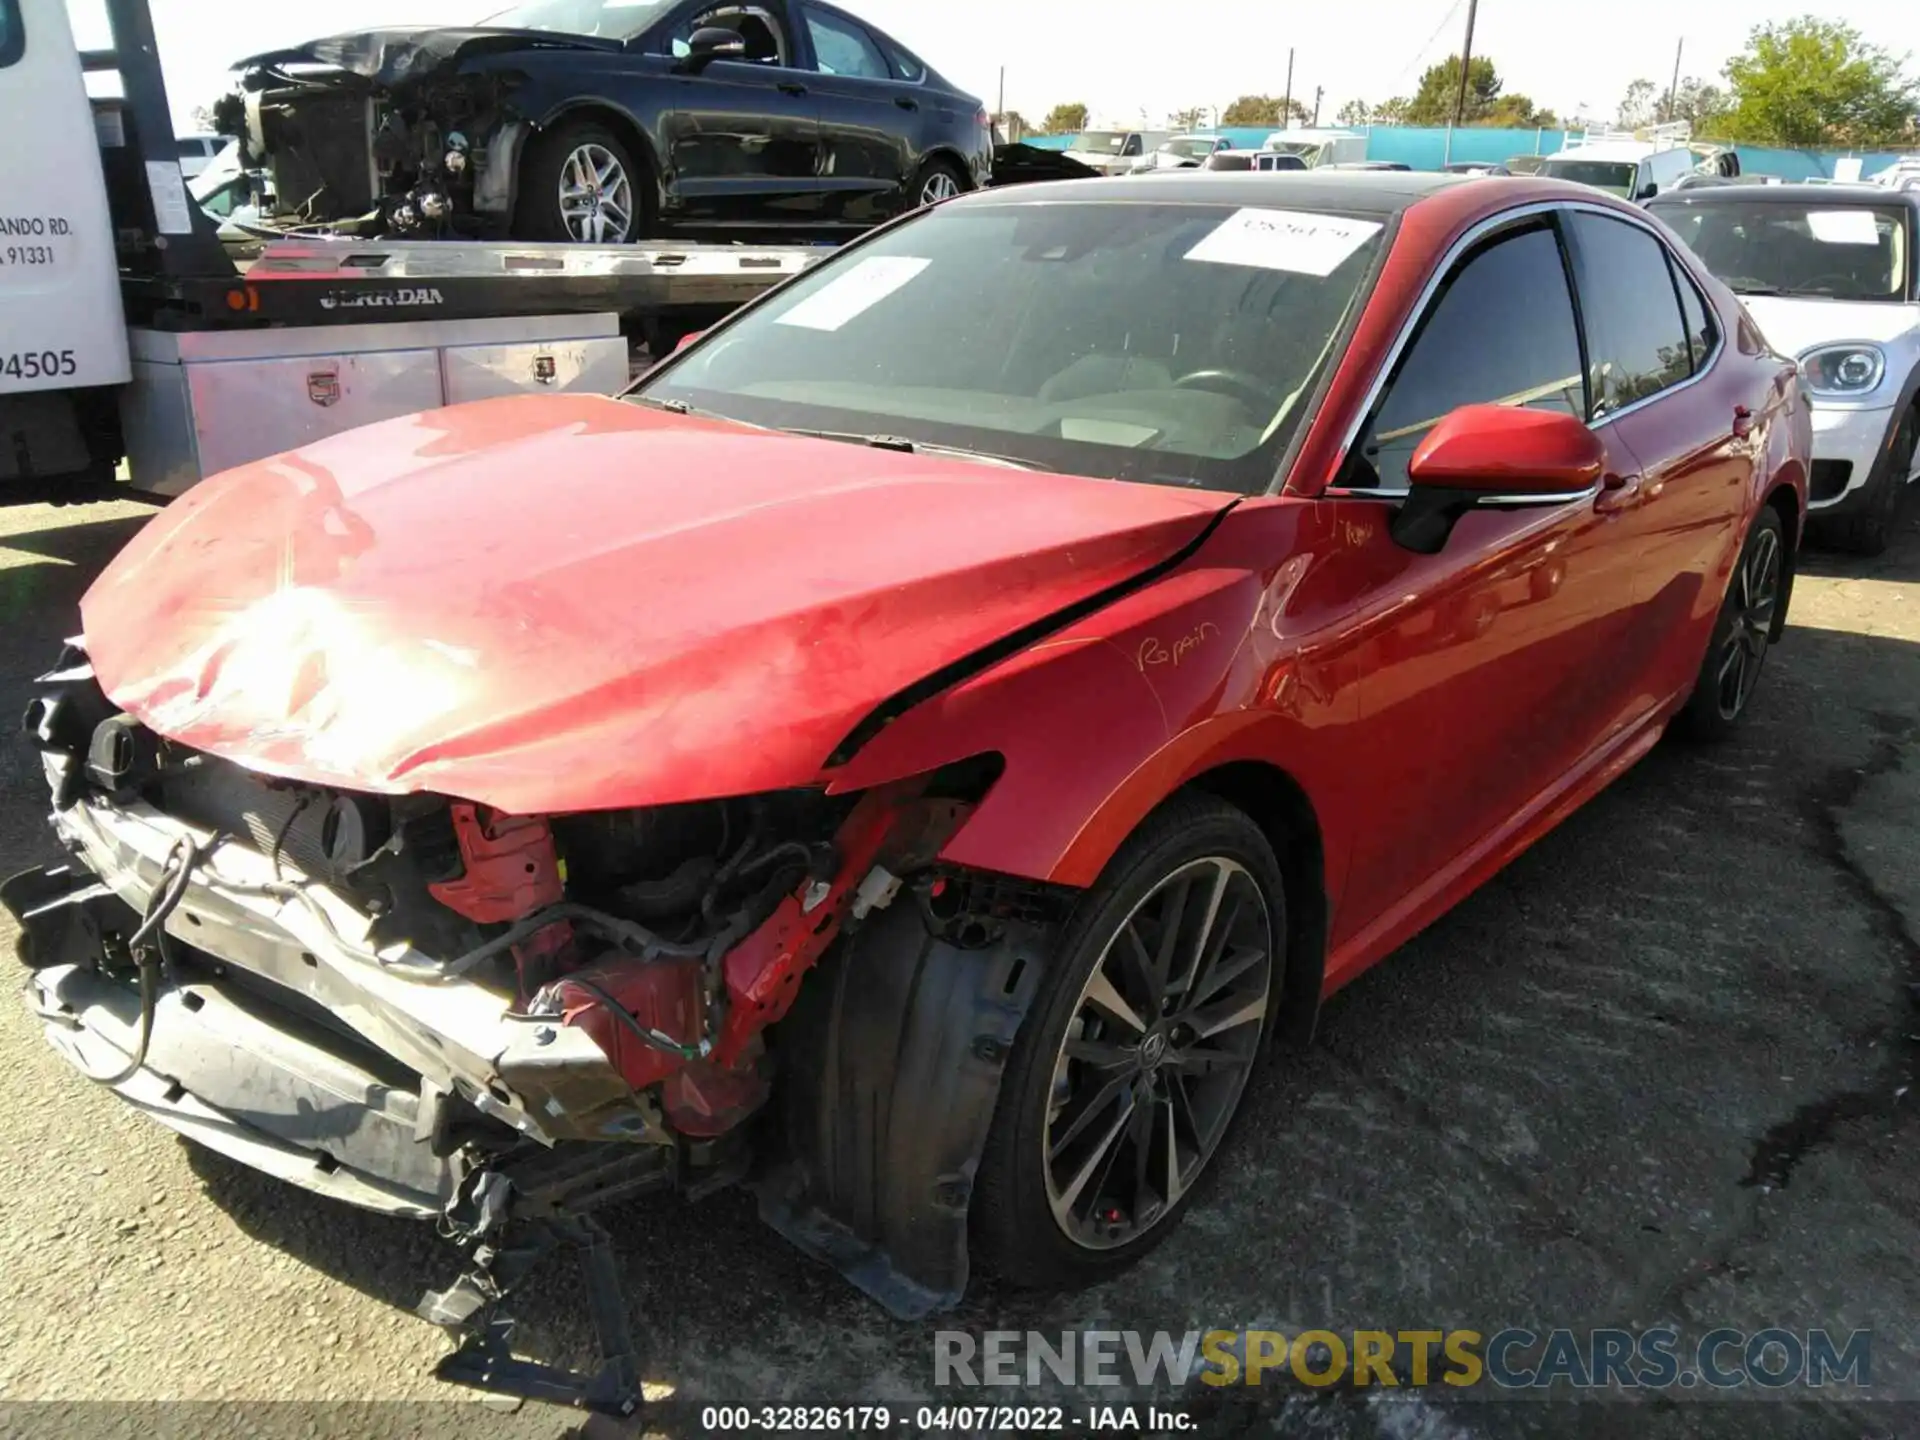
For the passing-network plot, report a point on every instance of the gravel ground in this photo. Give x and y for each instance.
(1654, 1072)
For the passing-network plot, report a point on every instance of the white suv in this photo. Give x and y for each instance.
(1831, 274)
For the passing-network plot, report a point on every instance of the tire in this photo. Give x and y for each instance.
(1742, 634)
(1044, 1153)
(938, 180)
(1869, 532)
(615, 203)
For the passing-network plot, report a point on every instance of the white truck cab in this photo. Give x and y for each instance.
(1113, 150)
(59, 281)
(1631, 169)
(1318, 149)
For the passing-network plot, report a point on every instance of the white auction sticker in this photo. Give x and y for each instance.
(169, 190)
(1843, 227)
(854, 291)
(1294, 240)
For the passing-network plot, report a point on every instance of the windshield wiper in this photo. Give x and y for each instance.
(1753, 287)
(905, 446)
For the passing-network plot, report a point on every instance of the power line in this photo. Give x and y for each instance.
(1427, 44)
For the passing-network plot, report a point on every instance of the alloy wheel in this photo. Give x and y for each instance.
(1755, 597)
(596, 196)
(938, 186)
(1157, 1053)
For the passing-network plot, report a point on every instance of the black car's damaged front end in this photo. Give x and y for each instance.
(395, 132)
(430, 1009)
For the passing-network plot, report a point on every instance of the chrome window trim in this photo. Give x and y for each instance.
(1444, 270)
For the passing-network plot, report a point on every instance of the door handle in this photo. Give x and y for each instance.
(788, 87)
(1742, 422)
(1617, 493)
(906, 102)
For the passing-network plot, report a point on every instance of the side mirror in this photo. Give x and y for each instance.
(1495, 457)
(1646, 192)
(710, 43)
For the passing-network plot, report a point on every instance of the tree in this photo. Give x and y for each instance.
(1516, 112)
(1066, 119)
(1354, 112)
(1190, 119)
(1393, 112)
(1432, 103)
(1638, 105)
(1701, 105)
(1812, 81)
(1258, 110)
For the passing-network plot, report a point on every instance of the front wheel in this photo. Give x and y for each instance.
(938, 180)
(1870, 531)
(1132, 1065)
(580, 183)
(1742, 635)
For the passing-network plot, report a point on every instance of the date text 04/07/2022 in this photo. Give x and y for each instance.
(942, 1419)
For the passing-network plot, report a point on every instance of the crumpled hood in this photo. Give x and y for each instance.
(1795, 325)
(555, 603)
(398, 55)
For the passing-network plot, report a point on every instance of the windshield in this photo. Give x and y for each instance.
(607, 19)
(1613, 176)
(1140, 341)
(1854, 252)
(1189, 149)
(1102, 140)
(1305, 149)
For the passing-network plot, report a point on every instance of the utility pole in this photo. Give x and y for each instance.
(1673, 90)
(1002, 111)
(1466, 59)
(1318, 91)
(1286, 105)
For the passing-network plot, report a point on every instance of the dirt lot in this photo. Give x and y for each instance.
(1656, 1072)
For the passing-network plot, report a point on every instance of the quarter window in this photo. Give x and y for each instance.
(1636, 338)
(843, 48)
(1502, 332)
(1702, 333)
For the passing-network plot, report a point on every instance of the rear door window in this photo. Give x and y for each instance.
(1702, 333)
(1637, 341)
(1516, 289)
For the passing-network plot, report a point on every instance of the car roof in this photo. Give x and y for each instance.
(1365, 192)
(1845, 194)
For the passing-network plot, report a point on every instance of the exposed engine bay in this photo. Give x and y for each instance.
(383, 135)
(427, 1007)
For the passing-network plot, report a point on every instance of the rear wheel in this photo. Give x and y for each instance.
(581, 183)
(1133, 1063)
(1742, 635)
(938, 180)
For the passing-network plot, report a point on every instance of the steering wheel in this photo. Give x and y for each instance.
(1237, 383)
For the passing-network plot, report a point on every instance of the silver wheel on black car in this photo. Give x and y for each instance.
(1134, 1060)
(579, 182)
(938, 180)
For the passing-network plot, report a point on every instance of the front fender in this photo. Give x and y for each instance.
(1101, 723)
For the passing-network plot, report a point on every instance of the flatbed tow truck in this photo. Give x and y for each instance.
(138, 353)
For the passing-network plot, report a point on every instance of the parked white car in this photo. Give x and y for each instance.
(1828, 274)
(1318, 149)
(1112, 151)
(198, 151)
(1631, 169)
(1182, 152)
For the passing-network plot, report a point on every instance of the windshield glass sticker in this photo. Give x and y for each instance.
(1843, 227)
(1293, 240)
(854, 292)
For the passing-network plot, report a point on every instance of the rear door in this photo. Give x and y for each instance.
(1666, 392)
(870, 121)
(61, 325)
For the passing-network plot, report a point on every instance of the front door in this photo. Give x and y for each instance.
(1485, 670)
(740, 139)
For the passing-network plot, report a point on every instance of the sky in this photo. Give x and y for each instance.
(1123, 59)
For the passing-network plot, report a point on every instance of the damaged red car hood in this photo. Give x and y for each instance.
(566, 603)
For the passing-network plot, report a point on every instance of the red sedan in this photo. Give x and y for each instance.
(913, 750)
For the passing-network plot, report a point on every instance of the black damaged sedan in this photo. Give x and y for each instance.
(607, 121)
